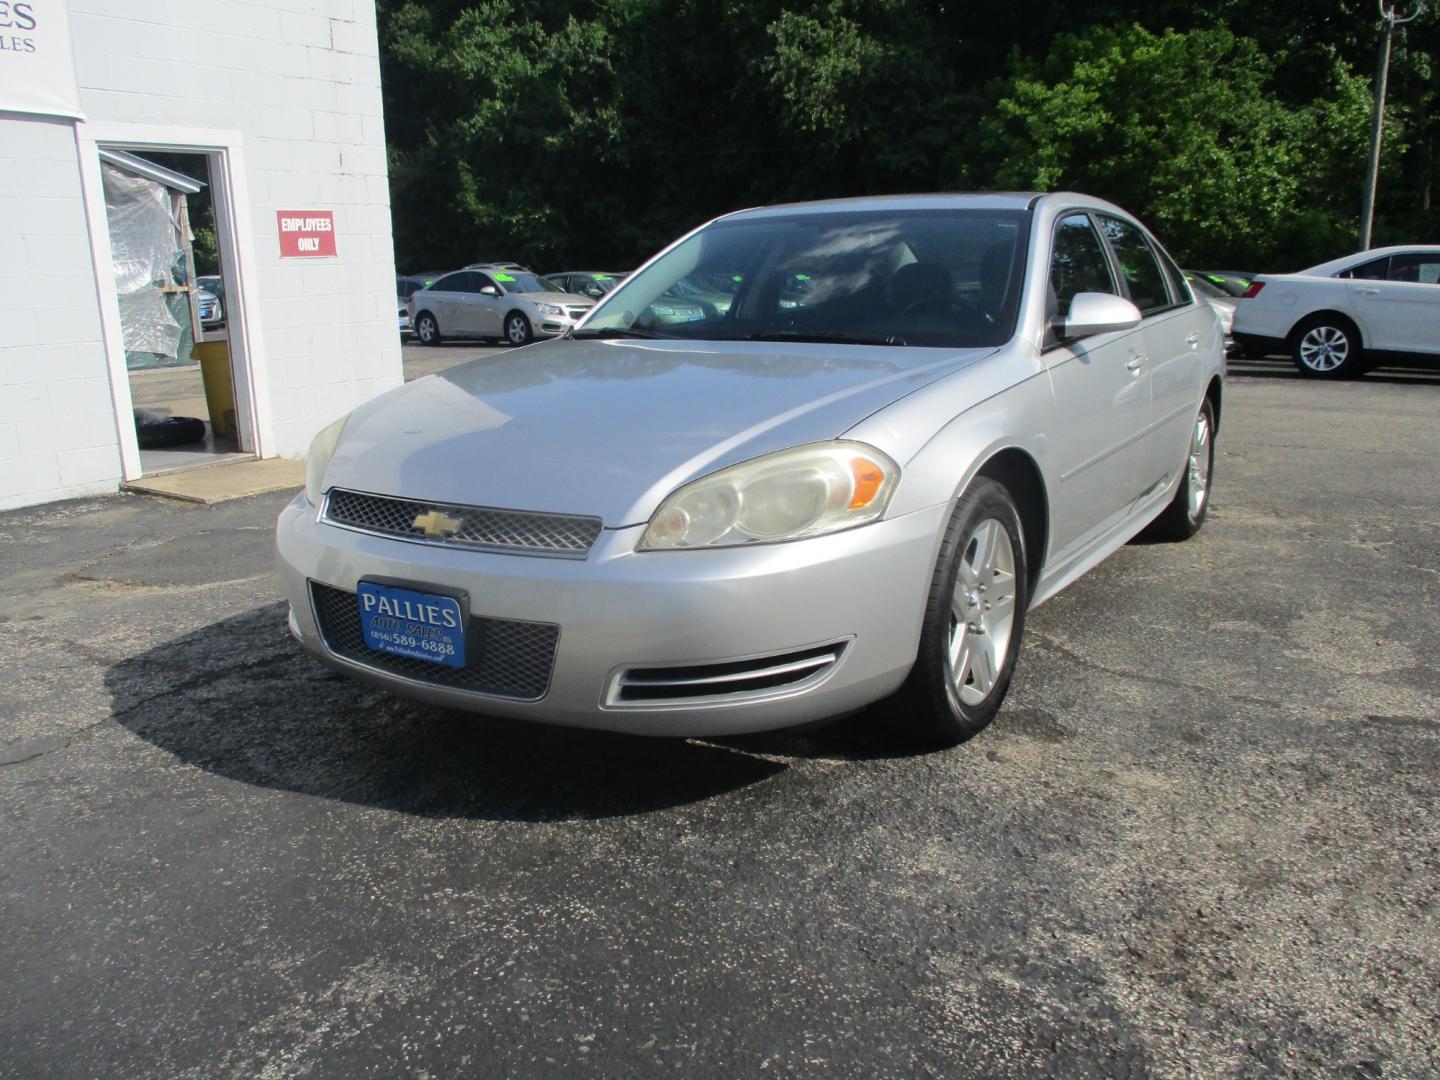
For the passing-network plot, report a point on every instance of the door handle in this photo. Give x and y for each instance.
(1134, 364)
(1193, 339)
(1368, 292)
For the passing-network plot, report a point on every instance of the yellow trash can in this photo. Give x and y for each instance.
(214, 357)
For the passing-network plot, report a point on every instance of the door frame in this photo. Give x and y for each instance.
(235, 235)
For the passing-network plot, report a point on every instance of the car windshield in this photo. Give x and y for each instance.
(946, 278)
(518, 281)
(211, 285)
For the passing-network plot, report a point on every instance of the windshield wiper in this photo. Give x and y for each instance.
(616, 332)
(824, 338)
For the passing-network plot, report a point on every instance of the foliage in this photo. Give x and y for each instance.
(590, 134)
(1223, 168)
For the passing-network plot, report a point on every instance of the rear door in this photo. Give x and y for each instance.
(487, 311)
(1102, 397)
(1401, 311)
(1175, 327)
(441, 301)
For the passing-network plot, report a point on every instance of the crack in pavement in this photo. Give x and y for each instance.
(1045, 641)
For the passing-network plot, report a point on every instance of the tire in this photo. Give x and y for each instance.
(427, 330)
(1186, 513)
(1327, 347)
(974, 619)
(517, 329)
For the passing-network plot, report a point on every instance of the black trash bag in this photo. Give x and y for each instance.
(156, 430)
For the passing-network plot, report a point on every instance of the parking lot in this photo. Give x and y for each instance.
(1199, 839)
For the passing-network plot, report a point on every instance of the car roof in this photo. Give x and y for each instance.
(971, 200)
(1355, 258)
(592, 273)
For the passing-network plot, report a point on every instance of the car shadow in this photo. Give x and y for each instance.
(240, 699)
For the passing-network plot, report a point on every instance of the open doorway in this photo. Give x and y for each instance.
(174, 308)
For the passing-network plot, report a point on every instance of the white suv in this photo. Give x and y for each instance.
(1340, 317)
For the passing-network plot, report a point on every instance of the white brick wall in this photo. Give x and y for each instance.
(300, 80)
(52, 359)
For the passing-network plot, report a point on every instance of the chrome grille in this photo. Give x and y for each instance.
(576, 311)
(732, 680)
(519, 531)
(503, 657)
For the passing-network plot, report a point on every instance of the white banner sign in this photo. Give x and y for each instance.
(37, 65)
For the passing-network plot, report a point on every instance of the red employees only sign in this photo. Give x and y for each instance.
(306, 233)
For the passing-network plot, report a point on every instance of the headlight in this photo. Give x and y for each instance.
(549, 309)
(805, 491)
(322, 449)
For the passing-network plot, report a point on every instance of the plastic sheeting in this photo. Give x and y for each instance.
(148, 251)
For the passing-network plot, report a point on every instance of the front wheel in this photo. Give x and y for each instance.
(973, 622)
(1186, 513)
(427, 329)
(517, 329)
(1324, 347)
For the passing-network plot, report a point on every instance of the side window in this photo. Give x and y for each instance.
(448, 283)
(1077, 264)
(1143, 275)
(1374, 270)
(1419, 268)
(477, 281)
(562, 280)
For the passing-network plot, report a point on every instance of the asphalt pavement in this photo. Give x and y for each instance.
(1199, 840)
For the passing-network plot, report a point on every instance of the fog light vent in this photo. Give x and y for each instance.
(732, 680)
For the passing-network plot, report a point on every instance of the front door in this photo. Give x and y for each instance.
(1101, 388)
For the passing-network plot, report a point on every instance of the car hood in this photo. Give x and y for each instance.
(608, 427)
(568, 299)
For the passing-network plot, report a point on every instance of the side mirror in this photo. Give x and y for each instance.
(489, 290)
(1097, 313)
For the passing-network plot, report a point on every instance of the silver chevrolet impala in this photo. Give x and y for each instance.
(915, 419)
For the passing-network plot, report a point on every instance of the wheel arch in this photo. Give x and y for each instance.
(1320, 315)
(1213, 393)
(1020, 475)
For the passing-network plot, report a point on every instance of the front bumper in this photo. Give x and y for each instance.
(620, 611)
(552, 325)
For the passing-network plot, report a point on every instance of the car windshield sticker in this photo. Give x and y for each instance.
(503, 277)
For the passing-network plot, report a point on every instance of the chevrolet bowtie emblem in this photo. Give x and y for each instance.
(436, 523)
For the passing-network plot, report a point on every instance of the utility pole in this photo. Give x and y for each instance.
(1389, 21)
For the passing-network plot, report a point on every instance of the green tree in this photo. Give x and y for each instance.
(1224, 169)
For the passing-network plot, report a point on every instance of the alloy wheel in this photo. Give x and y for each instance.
(982, 611)
(1199, 466)
(517, 330)
(1324, 348)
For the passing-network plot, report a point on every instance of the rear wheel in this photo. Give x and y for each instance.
(973, 622)
(1327, 347)
(517, 329)
(1186, 513)
(427, 329)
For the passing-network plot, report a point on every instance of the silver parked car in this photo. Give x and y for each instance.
(494, 301)
(783, 512)
(591, 283)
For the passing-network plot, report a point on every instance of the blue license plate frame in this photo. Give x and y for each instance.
(412, 622)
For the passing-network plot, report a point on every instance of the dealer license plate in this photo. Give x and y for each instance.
(417, 625)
